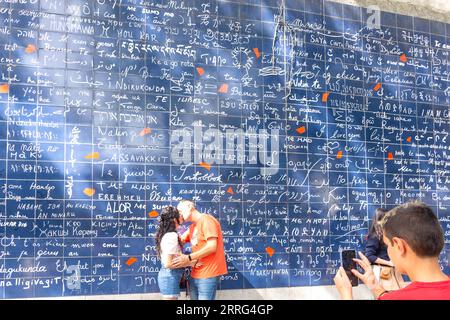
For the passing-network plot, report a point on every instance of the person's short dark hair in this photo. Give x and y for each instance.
(417, 224)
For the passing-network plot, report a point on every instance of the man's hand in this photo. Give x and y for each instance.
(343, 284)
(368, 277)
(181, 261)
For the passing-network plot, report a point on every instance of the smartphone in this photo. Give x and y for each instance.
(348, 264)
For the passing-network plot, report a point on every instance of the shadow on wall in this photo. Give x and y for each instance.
(427, 9)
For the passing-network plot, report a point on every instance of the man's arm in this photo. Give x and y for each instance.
(384, 262)
(372, 246)
(209, 248)
(208, 230)
(344, 286)
(378, 291)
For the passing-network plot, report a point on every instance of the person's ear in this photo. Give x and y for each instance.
(400, 245)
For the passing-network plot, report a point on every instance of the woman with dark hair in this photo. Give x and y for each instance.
(168, 245)
(376, 250)
(376, 253)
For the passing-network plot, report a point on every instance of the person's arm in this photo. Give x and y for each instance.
(372, 247)
(343, 284)
(209, 248)
(169, 261)
(368, 277)
(208, 230)
(379, 291)
(384, 262)
(195, 263)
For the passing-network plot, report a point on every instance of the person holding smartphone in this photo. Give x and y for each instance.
(168, 247)
(376, 253)
(206, 239)
(414, 239)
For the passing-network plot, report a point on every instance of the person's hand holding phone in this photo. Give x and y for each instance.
(368, 278)
(344, 279)
(343, 284)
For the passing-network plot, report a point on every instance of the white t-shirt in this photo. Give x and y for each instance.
(169, 245)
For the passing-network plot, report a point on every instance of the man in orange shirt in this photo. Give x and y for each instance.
(205, 236)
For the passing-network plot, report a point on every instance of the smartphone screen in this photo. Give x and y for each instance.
(348, 264)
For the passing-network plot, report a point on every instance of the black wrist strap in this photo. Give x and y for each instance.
(382, 294)
(189, 256)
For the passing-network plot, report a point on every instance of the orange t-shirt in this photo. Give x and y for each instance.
(214, 264)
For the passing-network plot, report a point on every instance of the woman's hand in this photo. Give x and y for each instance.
(343, 284)
(384, 262)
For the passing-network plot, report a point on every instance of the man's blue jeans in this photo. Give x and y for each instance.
(203, 289)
